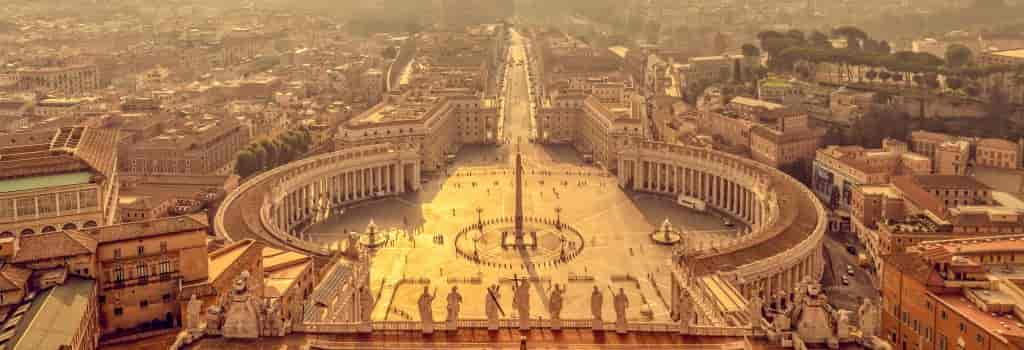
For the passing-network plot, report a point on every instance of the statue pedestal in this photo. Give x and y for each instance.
(597, 325)
(428, 327)
(556, 324)
(451, 325)
(365, 327)
(524, 324)
(493, 325)
(620, 327)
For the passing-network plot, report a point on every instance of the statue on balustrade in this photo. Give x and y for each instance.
(213, 319)
(521, 297)
(365, 303)
(243, 317)
(869, 318)
(621, 303)
(492, 307)
(426, 310)
(454, 305)
(597, 308)
(754, 311)
(555, 301)
(194, 311)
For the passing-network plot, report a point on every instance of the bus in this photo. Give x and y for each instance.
(691, 202)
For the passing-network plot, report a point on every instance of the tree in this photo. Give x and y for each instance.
(853, 36)
(389, 52)
(958, 55)
(818, 39)
(246, 163)
(871, 75)
(954, 83)
(796, 35)
(884, 47)
(750, 50)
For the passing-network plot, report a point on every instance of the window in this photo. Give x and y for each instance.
(142, 250)
(979, 338)
(943, 315)
(141, 271)
(962, 327)
(167, 297)
(163, 267)
(144, 303)
(163, 247)
(118, 311)
(117, 253)
(118, 274)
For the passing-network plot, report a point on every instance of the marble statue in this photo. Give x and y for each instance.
(555, 306)
(213, 319)
(521, 298)
(621, 303)
(275, 319)
(869, 318)
(597, 308)
(454, 304)
(492, 307)
(365, 303)
(555, 301)
(194, 311)
(426, 310)
(844, 326)
(243, 313)
(754, 307)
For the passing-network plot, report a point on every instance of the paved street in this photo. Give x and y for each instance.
(615, 225)
(836, 260)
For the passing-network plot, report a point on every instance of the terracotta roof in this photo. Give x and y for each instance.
(146, 228)
(13, 277)
(918, 195)
(949, 181)
(915, 267)
(54, 245)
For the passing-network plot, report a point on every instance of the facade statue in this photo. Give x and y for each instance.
(274, 322)
(492, 307)
(194, 311)
(869, 318)
(213, 319)
(243, 313)
(555, 302)
(521, 297)
(754, 311)
(366, 303)
(596, 304)
(426, 310)
(621, 303)
(454, 305)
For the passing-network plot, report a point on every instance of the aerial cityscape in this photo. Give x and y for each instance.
(511, 174)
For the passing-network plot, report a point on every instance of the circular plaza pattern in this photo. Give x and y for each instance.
(430, 224)
(545, 243)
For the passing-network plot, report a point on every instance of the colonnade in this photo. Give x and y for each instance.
(721, 191)
(347, 186)
(745, 189)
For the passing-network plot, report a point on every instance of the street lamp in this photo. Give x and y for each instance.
(479, 219)
(558, 217)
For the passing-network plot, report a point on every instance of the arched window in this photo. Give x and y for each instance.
(70, 226)
(89, 223)
(49, 229)
(27, 232)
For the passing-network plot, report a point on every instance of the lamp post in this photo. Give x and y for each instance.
(479, 219)
(558, 217)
